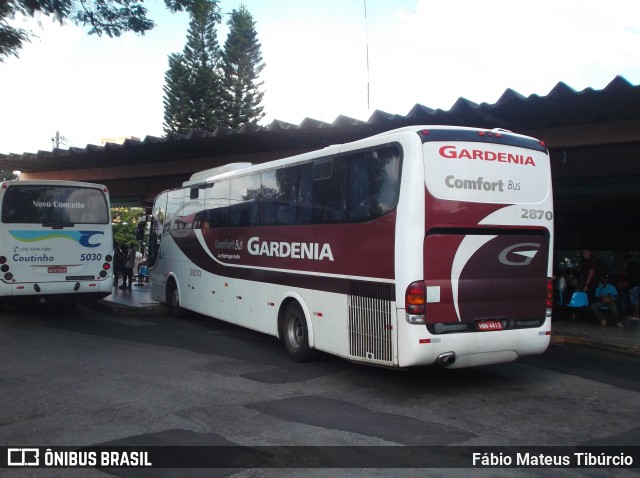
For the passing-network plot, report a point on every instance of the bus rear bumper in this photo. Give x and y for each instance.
(472, 349)
(69, 290)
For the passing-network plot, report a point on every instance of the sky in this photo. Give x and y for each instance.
(324, 58)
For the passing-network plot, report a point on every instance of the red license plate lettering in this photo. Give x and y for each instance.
(57, 270)
(487, 325)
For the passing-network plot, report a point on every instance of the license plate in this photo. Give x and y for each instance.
(57, 270)
(487, 325)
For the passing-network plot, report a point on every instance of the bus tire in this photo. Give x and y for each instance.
(295, 335)
(173, 300)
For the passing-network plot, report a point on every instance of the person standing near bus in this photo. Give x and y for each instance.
(118, 264)
(590, 269)
(142, 269)
(128, 268)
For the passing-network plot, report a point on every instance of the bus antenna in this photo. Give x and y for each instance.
(366, 31)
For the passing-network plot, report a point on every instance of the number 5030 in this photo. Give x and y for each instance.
(90, 257)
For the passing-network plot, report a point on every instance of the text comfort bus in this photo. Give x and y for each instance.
(420, 246)
(55, 240)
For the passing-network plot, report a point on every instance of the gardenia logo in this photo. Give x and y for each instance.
(294, 250)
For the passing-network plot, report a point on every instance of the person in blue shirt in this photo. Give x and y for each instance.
(606, 296)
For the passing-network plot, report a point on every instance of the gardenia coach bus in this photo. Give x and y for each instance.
(420, 246)
(55, 240)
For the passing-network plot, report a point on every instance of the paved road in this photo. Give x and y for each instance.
(82, 377)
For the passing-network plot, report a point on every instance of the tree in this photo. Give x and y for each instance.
(104, 17)
(6, 174)
(176, 99)
(241, 65)
(125, 221)
(192, 88)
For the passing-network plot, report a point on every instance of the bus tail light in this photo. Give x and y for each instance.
(549, 293)
(3, 260)
(414, 302)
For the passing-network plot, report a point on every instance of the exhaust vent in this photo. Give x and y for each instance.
(370, 325)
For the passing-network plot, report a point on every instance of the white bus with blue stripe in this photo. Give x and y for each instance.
(56, 240)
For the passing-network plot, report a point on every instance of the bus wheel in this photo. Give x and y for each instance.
(295, 336)
(173, 300)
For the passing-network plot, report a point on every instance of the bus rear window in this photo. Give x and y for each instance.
(54, 205)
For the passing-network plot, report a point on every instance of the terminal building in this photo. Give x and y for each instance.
(593, 138)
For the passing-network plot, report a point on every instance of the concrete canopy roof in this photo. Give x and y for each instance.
(561, 107)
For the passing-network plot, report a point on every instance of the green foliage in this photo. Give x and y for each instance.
(176, 99)
(192, 83)
(205, 87)
(242, 64)
(125, 221)
(6, 174)
(103, 17)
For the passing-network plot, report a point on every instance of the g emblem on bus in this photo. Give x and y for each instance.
(525, 255)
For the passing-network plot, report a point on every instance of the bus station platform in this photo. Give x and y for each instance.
(137, 301)
(134, 301)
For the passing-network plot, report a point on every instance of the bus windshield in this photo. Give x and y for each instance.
(54, 205)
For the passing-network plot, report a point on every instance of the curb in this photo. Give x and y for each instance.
(586, 342)
(115, 308)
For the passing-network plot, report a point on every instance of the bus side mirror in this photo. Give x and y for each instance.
(140, 230)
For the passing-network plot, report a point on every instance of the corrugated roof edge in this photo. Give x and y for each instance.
(462, 111)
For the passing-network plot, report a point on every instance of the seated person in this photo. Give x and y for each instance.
(606, 295)
(143, 273)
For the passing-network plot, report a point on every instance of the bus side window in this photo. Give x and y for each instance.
(361, 195)
(305, 194)
(216, 204)
(192, 211)
(174, 203)
(329, 193)
(243, 203)
(268, 198)
(374, 183)
(279, 196)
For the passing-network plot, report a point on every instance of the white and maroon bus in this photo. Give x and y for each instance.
(423, 245)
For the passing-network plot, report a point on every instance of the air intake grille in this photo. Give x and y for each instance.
(370, 327)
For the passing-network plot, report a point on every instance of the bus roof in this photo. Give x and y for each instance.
(221, 172)
(52, 182)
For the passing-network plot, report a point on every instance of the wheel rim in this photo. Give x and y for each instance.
(295, 332)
